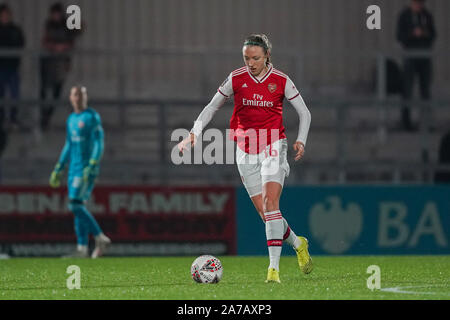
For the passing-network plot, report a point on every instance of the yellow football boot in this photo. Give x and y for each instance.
(273, 275)
(303, 257)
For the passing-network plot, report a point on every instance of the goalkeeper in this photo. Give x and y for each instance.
(83, 149)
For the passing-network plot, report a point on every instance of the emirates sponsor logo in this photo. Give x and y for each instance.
(257, 103)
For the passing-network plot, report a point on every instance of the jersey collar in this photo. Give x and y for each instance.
(263, 78)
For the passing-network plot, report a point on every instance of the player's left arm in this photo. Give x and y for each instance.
(296, 100)
(55, 177)
(97, 137)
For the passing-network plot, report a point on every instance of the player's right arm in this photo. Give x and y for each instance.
(223, 93)
(55, 177)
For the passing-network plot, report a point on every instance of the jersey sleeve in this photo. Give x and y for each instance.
(226, 88)
(64, 156)
(290, 91)
(223, 93)
(97, 137)
(208, 112)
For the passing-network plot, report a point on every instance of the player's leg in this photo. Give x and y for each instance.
(275, 169)
(274, 222)
(273, 173)
(250, 172)
(81, 231)
(77, 194)
(258, 203)
(289, 236)
(101, 240)
(92, 227)
(79, 191)
(87, 218)
(80, 227)
(249, 168)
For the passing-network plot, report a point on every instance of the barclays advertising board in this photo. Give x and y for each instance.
(345, 220)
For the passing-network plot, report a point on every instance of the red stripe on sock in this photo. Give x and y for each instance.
(273, 220)
(267, 220)
(274, 243)
(272, 215)
(276, 215)
(288, 232)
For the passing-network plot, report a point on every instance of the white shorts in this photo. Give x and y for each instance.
(268, 166)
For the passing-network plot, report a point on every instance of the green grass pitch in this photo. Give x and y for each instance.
(162, 278)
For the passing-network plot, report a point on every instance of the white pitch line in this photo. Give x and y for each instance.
(400, 289)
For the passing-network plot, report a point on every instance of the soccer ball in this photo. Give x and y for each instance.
(206, 269)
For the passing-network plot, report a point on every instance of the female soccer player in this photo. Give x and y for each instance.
(257, 126)
(84, 149)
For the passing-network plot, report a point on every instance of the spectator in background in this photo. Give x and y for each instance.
(58, 41)
(415, 31)
(11, 37)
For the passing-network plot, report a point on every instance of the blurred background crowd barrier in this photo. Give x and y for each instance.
(150, 68)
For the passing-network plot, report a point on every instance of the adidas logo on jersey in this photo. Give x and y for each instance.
(244, 85)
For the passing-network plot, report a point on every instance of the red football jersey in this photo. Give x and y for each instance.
(257, 118)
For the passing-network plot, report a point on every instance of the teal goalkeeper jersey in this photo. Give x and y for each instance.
(84, 141)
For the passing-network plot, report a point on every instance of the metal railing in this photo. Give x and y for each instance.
(340, 167)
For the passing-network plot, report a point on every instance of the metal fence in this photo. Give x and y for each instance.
(341, 169)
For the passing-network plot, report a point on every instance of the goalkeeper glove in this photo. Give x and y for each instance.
(91, 170)
(55, 177)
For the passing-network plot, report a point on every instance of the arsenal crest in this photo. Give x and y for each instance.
(272, 87)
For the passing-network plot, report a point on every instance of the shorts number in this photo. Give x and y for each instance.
(272, 152)
(76, 183)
